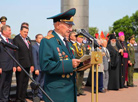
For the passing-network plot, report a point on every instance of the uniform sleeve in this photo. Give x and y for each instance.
(49, 62)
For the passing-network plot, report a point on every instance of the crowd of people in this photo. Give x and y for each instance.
(53, 59)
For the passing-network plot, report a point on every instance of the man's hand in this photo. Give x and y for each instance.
(103, 54)
(75, 62)
(37, 72)
(130, 64)
(121, 50)
(0, 70)
(128, 61)
(19, 69)
(14, 69)
(32, 68)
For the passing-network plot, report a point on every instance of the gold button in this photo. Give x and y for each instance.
(67, 76)
(63, 75)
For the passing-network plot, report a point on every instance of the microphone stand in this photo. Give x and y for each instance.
(38, 86)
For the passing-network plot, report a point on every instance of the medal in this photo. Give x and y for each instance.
(63, 75)
(63, 53)
(59, 54)
(58, 49)
(67, 76)
(71, 74)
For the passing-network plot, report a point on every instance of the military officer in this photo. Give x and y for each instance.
(131, 52)
(57, 60)
(3, 20)
(79, 52)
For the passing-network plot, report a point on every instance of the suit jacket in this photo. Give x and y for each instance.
(23, 55)
(106, 58)
(35, 51)
(56, 62)
(6, 62)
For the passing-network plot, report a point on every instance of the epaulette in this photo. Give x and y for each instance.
(128, 44)
(49, 36)
(75, 44)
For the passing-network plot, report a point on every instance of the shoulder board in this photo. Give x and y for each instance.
(75, 44)
(49, 36)
(128, 44)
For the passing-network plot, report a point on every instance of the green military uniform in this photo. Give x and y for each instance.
(3, 19)
(131, 52)
(79, 52)
(56, 62)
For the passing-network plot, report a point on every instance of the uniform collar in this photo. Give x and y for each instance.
(60, 36)
(131, 44)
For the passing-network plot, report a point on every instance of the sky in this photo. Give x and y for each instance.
(102, 13)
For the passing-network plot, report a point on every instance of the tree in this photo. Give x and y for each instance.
(93, 30)
(134, 19)
(12, 36)
(110, 29)
(125, 25)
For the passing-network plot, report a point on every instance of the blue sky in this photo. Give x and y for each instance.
(102, 13)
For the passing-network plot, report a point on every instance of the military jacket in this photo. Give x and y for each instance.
(131, 52)
(56, 62)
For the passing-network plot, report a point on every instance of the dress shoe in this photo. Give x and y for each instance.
(83, 94)
(132, 85)
(78, 94)
(103, 91)
(125, 86)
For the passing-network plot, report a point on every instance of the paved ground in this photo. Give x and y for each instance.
(123, 95)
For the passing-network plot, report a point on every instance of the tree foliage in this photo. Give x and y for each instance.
(93, 30)
(129, 25)
(12, 36)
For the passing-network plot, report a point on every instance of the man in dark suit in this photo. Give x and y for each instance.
(7, 65)
(25, 58)
(38, 75)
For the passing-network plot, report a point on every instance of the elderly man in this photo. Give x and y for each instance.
(114, 71)
(124, 58)
(106, 60)
(7, 65)
(57, 60)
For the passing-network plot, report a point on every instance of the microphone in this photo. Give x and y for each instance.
(5, 44)
(87, 35)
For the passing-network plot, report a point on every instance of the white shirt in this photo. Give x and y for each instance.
(130, 44)
(3, 37)
(79, 43)
(38, 43)
(73, 41)
(61, 37)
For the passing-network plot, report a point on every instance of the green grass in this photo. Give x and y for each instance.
(136, 75)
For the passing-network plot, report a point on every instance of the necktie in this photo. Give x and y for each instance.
(7, 40)
(67, 46)
(26, 43)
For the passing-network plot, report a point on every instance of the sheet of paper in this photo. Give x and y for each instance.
(85, 57)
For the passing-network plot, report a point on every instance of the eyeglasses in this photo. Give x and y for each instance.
(67, 25)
